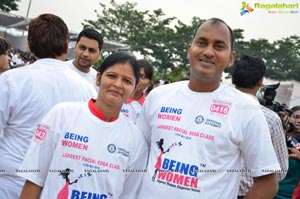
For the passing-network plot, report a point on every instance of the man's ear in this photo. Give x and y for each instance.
(29, 49)
(260, 82)
(188, 51)
(67, 46)
(28, 45)
(231, 59)
(98, 79)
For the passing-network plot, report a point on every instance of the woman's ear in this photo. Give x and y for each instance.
(98, 79)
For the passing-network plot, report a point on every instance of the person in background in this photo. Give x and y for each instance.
(156, 83)
(16, 59)
(149, 89)
(132, 106)
(28, 93)
(107, 154)
(247, 76)
(289, 184)
(4, 58)
(87, 52)
(206, 128)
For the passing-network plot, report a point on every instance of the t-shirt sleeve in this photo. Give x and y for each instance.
(279, 143)
(258, 152)
(143, 121)
(136, 168)
(40, 152)
(7, 100)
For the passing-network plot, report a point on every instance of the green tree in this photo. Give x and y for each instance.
(148, 33)
(9, 5)
(281, 56)
(182, 37)
(164, 41)
(284, 62)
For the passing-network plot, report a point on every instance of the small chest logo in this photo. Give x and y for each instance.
(199, 119)
(111, 148)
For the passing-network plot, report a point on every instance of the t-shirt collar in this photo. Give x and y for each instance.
(97, 112)
(141, 100)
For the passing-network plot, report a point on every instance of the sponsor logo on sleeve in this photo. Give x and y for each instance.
(41, 132)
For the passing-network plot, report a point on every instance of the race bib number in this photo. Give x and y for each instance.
(219, 108)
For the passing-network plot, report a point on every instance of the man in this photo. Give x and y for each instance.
(4, 58)
(87, 52)
(198, 130)
(27, 94)
(247, 76)
(133, 105)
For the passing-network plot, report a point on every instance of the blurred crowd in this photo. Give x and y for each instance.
(20, 58)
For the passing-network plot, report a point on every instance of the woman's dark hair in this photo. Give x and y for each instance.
(121, 57)
(65, 173)
(147, 68)
(4, 45)
(295, 108)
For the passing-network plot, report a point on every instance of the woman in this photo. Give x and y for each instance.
(4, 58)
(64, 192)
(133, 105)
(158, 163)
(289, 183)
(100, 146)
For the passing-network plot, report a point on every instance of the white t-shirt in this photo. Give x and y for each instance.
(27, 94)
(132, 108)
(90, 76)
(106, 159)
(204, 136)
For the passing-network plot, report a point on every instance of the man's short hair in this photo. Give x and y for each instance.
(247, 71)
(216, 21)
(4, 45)
(91, 34)
(48, 36)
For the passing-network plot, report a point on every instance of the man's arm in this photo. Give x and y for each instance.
(279, 144)
(264, 187)
(30, 191)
